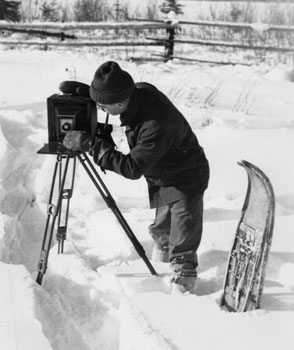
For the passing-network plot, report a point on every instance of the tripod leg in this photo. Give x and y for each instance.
(63, 214)
(104, 192)
(52, 212)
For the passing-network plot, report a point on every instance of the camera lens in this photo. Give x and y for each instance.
(66, 126)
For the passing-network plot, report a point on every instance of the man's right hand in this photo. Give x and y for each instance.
(104, 132)
(99, 149)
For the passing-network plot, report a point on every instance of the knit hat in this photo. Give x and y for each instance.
(111, 84)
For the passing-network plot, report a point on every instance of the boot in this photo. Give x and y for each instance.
(183, 284)
(160, 254)
(185, 275)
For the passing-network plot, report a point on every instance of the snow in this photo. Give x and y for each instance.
(99, 294)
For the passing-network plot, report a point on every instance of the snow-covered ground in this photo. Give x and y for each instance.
(99, 294)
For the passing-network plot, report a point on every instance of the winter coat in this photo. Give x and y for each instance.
(163, 148)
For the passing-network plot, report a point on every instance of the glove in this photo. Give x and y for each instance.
(104, 132)
(99, 149)
(77, 140)
(74, 88)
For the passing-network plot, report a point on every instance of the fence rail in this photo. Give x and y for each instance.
(227, 44)
(81, 43)
(253, 26)
(85, 26)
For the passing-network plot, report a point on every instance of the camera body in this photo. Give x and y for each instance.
(68, 112)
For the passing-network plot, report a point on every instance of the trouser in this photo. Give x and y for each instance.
(178, 228)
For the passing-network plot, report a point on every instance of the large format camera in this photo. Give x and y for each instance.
(68, 111)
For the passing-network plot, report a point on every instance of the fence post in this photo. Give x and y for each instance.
(292, 70)
(169, 46)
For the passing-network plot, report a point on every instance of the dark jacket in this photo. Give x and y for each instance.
(163, 148)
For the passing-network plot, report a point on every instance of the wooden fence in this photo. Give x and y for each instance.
(169, 39)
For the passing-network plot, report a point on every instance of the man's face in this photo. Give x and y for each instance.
(113, 109)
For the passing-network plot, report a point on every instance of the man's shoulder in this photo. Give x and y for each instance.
(145, 85)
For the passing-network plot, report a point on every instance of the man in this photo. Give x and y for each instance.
(163, 149)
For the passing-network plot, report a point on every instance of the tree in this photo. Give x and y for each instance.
(9, 10)
(90, 10)
(171, 5)
(50, 11)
